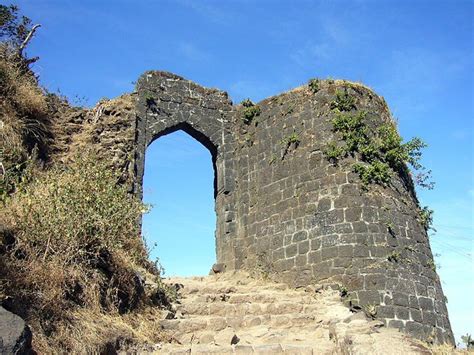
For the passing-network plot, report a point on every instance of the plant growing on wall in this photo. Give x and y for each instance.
(313, 85)
(291, 140)
(250, 111)
(425, 216)
(343, 101)
(382, 152)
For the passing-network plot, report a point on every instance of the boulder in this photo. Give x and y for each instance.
(15, 335)
(217, 268)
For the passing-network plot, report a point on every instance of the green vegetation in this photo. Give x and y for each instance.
(290, 109)
(264, 266)
(468, 341)
(343, 291)
(313, 85)
(72, 244)
(431, 264)
(425, 216)
(394, 256)
(343, 101)
(149, 99)
(293, 138)
(334, 152)
(370, 310)
(381, 151)
(250, 111)
(390, 227)
(26, 126)
(272, 159)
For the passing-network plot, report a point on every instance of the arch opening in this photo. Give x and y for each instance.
(180, 182)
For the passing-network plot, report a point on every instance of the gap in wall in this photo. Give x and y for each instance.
(179, 184)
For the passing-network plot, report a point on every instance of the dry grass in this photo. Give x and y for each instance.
(91, 332)
(446, 349)
(69, 257)
(24, 120)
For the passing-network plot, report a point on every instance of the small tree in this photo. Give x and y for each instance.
(15, 32)
(468, 341)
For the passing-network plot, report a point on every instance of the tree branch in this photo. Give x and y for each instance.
(28, 38)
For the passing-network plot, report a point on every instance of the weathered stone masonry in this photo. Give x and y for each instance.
(282, 206)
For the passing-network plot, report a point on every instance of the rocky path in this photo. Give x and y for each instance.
(234, 313)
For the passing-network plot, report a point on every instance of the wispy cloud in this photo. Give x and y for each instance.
(252, 89)
(192, 52)
(209, 10)
(460, 135)
(333, 36)
(311, 53)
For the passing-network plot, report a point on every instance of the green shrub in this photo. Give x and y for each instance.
(468, 341)
(343, 101)
(247, 103)
(293, 138)
(334, 152)
(425, 216)
(76, 211)
(313, 85)
(381, 150)
(250, 111)
(376, 172)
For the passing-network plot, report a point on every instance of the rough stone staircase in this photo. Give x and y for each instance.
(235, 313)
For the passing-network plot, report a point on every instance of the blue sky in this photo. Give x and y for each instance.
(417, 54)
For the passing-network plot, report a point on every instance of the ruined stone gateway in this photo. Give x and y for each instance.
(283, 207)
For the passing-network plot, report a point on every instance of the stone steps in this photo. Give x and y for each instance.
(225, 309)
(236, 314)
(219, 323)
(254, 297)
(267, 349)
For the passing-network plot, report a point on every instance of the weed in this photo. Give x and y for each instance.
(150, 99)
(394, 256)
(377, 172)
(425, 217)
(264, 266)
(247, 103)
(431, 264)
(313, 85)
(343, 291)
(390, 227)
(250, 111)
(343, 101)
(290, 109)
(381, 151)
(370, 310)
(273, 159)
(468, 341)
(333, 152)
(291, 139)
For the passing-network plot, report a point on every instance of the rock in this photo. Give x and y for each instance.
(235, 339)
(217, 268)
(15, 335)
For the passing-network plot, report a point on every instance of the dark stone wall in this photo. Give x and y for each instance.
(283, 208)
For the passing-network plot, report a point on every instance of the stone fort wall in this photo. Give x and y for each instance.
(284, 209)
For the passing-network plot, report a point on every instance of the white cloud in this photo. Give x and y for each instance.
(191, 52)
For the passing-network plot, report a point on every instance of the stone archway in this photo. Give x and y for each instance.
(168, 103)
